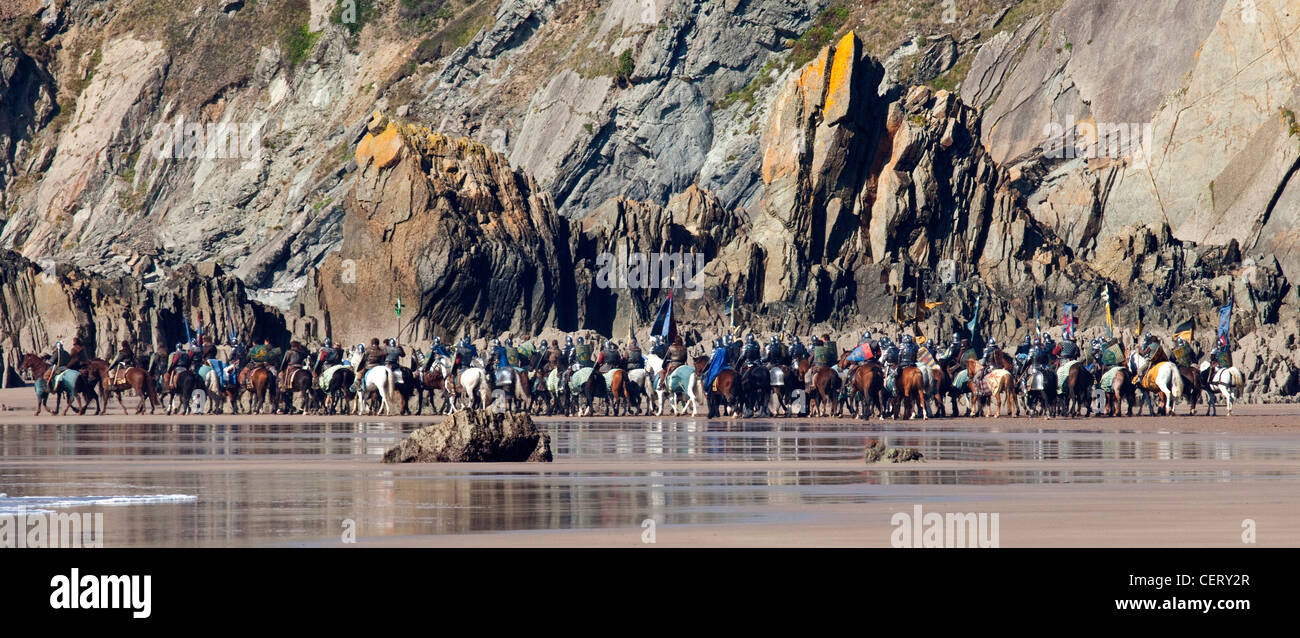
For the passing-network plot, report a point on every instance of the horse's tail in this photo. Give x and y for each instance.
(1238, 382)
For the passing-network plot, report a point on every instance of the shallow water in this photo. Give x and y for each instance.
(225, 484)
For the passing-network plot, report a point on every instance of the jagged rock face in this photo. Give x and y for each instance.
(694, 225)
(1214, 82)
(28, 105)
(589, 139)
(40, 308)
(470, 245)
(475, 436)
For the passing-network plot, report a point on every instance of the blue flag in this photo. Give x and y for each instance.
(1225, 319)
(665, 326)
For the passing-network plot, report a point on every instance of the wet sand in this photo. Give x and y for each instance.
(298, 480)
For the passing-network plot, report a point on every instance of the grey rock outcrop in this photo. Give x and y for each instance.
(475, 436)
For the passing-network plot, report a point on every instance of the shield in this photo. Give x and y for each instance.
(924, 358)
(1182, 355)
(1112, 354)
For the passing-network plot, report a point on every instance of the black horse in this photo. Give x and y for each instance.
(755, 388)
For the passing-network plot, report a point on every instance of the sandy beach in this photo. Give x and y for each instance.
(317, 481)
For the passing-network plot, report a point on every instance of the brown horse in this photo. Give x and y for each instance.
(432, 383)
(259, 383)
(726, 389)
(1192, 387)
(620, 392)
(297, 380)
(869, 380)
(910, 394)
(823, 386)
(1121, 389)
(119, 380)
(38, 368)
(1078, 390)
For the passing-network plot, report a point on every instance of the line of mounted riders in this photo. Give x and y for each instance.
(739, 378)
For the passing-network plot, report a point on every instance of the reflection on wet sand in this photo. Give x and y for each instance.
(291, 483)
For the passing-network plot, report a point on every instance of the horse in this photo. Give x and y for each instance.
(755, 390)
(513, 385)
(473, 382)
(119, 380)
(620, 392)
(823, 385)
(180, 383)
(686, 381)
(639, 387)
(433, 382)
(869, 380)
(1078, 390)
(298, 380)
(259, 383)
(725, 392)
(377, 381)
(588, 389)
(1192, 388)
(336, 388)
(1119, 390)
(996, 386)
(69, 383)
(1225, 380)
(208, 379)
(406, 384)
(1040, 388)
(1164, 379)
(910, 393)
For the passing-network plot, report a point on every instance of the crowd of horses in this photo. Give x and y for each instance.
(992, 386)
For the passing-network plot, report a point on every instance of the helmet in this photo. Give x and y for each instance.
(510, 343)
(1046, 336)
(775, 339)
(795, 339)
(579, 340)
(906, 338)
(496, 342)
(866, 336)
(717, 343)
(1028, 340)
(391, 341)
(328, 343)
(568, 340)
(437, 341)
(749, 338)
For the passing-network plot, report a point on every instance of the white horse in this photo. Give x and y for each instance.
(474, 383)
(380, 379)
(212, 384)
(1170, 382)
(693, 390)
(648, 379)
(1226, 381)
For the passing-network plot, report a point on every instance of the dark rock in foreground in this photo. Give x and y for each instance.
(474, 436)
(877, 452)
